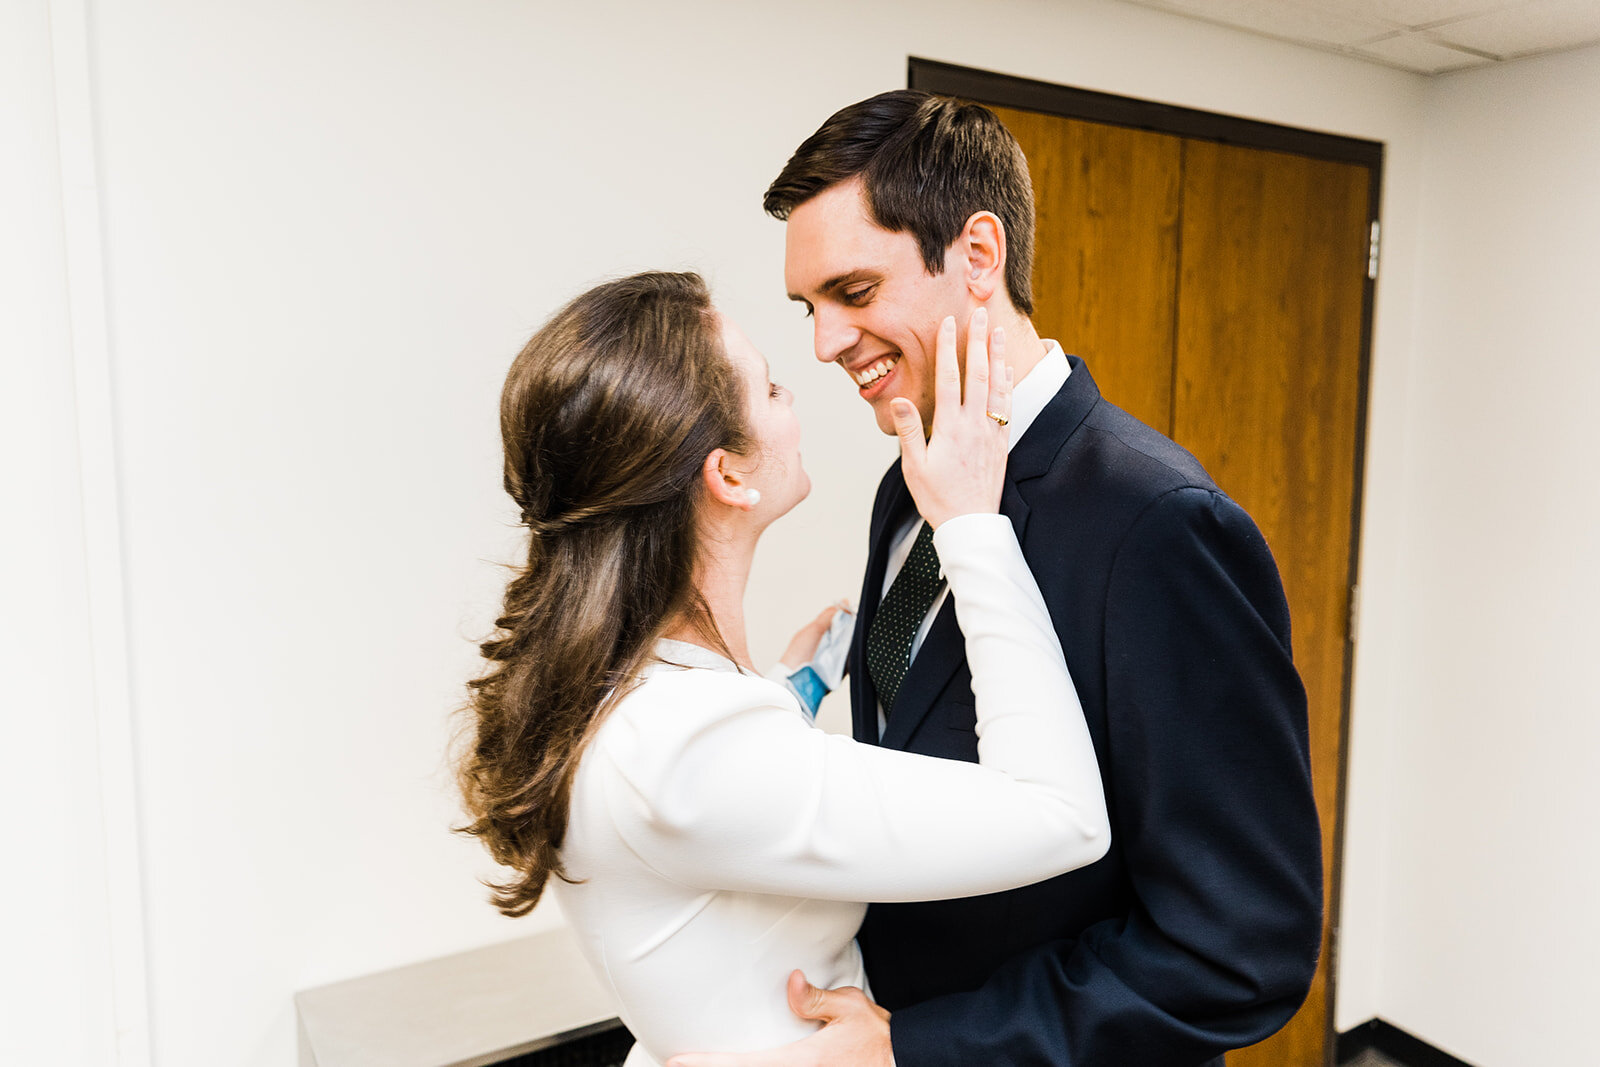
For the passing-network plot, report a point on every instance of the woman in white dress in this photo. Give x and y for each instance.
(706, 837)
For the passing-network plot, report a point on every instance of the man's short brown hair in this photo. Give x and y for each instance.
(928, 164)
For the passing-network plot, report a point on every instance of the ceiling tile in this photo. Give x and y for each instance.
(1418, 53)
(1382, 29)
(1412, 13)
(1541, 26)
(1290, 19)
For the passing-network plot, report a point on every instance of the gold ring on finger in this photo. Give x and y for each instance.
(1001, 419)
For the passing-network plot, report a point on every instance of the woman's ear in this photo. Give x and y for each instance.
(725, 483)
(983, 247)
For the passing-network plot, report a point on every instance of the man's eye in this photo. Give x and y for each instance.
(774, 390)
(809, 309)
(857, 297)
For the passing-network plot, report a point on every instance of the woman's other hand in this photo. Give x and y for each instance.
(803, 648)
(960, 468)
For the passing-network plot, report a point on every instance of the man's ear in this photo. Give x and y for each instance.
(724, 482)
(982, 245)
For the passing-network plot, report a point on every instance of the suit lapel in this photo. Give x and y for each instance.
(1036, 452)
(943, 651)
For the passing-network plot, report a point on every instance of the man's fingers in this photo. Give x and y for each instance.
(726, 1059)
(978, 357)
(805, 999)
(825, 1005)
(852, 1025)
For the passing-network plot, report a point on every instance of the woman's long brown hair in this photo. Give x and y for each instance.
(607, 417)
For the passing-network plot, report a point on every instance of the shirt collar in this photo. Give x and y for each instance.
(1030, 396)
(680, 654)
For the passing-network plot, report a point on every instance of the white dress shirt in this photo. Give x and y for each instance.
(720, 839)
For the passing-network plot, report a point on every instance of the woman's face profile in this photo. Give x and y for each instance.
(779, 474)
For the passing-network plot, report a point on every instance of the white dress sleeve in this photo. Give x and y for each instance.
(716, 780)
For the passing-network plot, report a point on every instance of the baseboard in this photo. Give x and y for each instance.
(1394, 1043)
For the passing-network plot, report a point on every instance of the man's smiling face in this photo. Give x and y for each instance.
(875, 307)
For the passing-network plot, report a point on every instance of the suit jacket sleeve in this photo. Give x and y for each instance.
(1208, 780)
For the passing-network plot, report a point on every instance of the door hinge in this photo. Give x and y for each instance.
(1372, 252)
(1355, 611)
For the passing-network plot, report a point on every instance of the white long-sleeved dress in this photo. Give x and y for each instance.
(722, 840)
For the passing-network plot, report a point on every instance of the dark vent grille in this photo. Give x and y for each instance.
(608, 1048)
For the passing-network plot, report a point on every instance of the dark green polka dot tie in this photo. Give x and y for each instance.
(900, 615)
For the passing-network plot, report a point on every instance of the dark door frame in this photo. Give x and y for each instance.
(1005, 90)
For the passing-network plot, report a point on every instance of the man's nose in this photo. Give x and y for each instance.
(834, 334)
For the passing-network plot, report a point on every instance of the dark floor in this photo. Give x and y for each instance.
(1370, 1058)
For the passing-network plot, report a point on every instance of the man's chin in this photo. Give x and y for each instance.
(884, 416)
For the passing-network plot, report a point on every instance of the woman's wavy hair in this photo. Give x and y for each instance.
(607, 417)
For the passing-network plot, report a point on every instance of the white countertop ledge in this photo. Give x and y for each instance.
(466, 1010)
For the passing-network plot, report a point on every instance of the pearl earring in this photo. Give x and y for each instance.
(753, 496)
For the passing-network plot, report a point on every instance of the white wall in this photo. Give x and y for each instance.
(1492, 853)
(65, 764)
(329, 224)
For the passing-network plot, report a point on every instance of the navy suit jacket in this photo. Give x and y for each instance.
(1199, 931)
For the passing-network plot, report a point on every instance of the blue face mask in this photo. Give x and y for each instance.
(822, 675)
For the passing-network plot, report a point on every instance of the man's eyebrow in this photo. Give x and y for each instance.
(839, 281)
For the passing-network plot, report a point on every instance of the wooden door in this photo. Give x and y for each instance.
(1218, 292)
(1268, 397)
(1106, 251)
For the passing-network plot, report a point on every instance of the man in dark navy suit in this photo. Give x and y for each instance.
(1199, 931)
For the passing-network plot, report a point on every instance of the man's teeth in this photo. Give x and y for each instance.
(871, 374)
